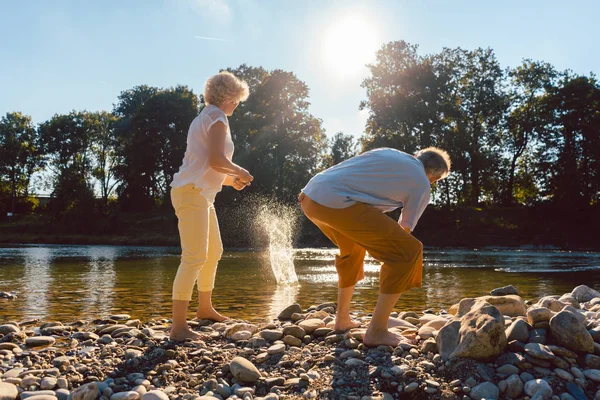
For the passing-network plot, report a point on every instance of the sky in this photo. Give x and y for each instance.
(63, 55)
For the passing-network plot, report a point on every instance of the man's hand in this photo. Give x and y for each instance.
(238, 184)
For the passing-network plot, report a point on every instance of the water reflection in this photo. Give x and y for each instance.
(283, 296)
(100, 280)
(36, 280)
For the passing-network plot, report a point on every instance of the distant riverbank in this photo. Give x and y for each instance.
(517, 227)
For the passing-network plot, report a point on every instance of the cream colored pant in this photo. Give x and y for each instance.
(201, 246)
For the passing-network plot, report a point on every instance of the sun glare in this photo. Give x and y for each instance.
(349, 44)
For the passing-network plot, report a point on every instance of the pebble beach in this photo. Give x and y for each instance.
(496, 346)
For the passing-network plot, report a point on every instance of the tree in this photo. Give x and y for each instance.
(20, 154)
(66, 140)
(403, 95)
(529, 85)
(341, 147)
(152, 139)
(276, 137)
(570, 147)
(103, 150)
(453, 100)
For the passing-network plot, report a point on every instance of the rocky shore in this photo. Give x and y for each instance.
(496, 346)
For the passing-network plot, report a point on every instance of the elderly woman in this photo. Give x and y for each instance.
(347, 202)
(206, 167)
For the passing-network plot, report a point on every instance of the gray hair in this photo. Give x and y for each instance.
(436, 162)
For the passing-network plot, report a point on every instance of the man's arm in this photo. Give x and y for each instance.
(413, 209)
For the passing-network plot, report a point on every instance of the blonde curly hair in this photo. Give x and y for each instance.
(225, 87)
(436, 162)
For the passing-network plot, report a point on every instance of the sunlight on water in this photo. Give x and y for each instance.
(279, 222)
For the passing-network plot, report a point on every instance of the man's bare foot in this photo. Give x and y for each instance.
(344, 325)
(375, 338)
(184, 334)
(212, 315)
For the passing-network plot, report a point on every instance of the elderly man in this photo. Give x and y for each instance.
(347, 202)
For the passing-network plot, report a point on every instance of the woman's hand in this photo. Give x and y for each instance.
(238, 184)
(244, 176)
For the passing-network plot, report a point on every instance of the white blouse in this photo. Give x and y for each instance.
(195, 167)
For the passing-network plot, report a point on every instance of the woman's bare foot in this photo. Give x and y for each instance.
(211, 314)
(184, 334)
(343, 325)
(375, 338)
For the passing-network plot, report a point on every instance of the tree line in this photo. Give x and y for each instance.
(526, 135)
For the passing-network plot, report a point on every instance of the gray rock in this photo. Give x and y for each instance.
(243, 370)
(551, 303)
(85, 392)
(447, 339)
(31, 393)
(276, 349)
(35, 341)
(510, 305)
(567, 331)
(240, 335)
(223, 389)
(568, 298)
(128, 395)
(294, 330)
(539, 388)
(310, 325)
(584, 293)
(9, 328)
(505, 290)
(592, 374)
(518, 330)
(563, 374)
(48, 383)
(482, 334)
(592, 361)
(292, 341)
(539, 351)
(43, 397)
(271, 334)
(155, 395)
(485, 390)
(536, 314)
(526, 377)
(62, 394)
(507, 369)
(322, 332)
(514, 386)
(8, 391)
(289, 310)
(230, 331)
(576, 391)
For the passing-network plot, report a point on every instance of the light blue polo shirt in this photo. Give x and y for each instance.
(383, 178)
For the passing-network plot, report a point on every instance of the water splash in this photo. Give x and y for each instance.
(279, 221)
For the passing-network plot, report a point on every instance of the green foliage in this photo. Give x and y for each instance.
(276, 138)
(20, 158)
(342, 147)
(151, 142)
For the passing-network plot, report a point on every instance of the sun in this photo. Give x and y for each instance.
(348, 45)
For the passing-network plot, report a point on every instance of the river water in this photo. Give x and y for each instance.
(66, 283)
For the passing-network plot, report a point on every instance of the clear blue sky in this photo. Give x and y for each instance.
(60, 55)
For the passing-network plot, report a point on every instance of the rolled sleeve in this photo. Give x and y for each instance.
(413, 209)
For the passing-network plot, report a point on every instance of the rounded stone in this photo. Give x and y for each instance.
(40, 341)
(8, 391)
(271, 334)
(310, 325)
(485, 390)
(276, 349)
(155, 395)
(243, 370)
